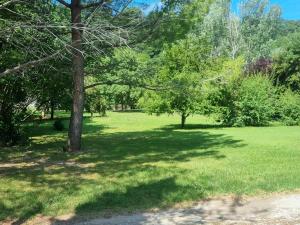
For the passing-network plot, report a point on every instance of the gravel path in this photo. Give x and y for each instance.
(278, 209)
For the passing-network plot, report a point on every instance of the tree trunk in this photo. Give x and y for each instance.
(76, 120)
(183, 119)
(42, 114)
(52, 110)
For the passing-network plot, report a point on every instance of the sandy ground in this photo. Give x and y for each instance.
(279, 209)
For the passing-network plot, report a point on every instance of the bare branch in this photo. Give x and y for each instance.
(94, 4)
(120, 82)
(3, 5)
(63, 2)
(28, 65)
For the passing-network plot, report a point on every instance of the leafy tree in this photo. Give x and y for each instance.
(52, 87)
(286, 60)
(183, 69)
(250, 33)
(19, 45)
(13, 105)
(95, 26)
(216, 27)
(173, 22)
(260, 26)
(123, 74)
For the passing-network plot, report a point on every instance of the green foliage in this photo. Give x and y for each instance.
(58, 125)
(13, 106)
(289, 108)
(181, 74)
(260, 27)
(250, 33)
(176, 20)
(120, 81)
(98, 100)
(12, 134)
(255, 101)
(246, 102)
(286, 60)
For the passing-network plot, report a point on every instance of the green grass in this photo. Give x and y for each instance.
(133, 161)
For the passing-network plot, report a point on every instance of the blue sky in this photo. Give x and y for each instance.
(290, 8)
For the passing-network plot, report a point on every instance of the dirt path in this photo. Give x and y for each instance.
(279, 209)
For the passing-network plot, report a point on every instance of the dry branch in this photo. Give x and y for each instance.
(5, 4)
(28, 65)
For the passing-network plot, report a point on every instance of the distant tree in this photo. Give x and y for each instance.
(260, 26)
(286, 61)
(123, 75)
(181, 75)
(174, 22)
(250, 33)
(52, 87)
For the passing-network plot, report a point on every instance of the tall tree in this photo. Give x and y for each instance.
(81, 34)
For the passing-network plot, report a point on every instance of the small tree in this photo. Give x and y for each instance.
(98, 99)
(181, 74)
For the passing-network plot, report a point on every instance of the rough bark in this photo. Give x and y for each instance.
(52, 110)
(183, 119)
(76, 120)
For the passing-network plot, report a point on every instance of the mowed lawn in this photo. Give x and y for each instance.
(134, 161)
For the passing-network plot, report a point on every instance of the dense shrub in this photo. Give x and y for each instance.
(58, 125)
(289, 108)
(222, 104)
(262, 66)
(12, 110)
(12, 134)
(255, 101)
(247, 102)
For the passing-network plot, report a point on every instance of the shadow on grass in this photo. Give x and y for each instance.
(45, 127)
(55, 177)
(142, 196)
(192, 127)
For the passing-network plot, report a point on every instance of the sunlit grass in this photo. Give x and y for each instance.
(133, 161)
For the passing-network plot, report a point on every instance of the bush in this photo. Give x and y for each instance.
(289, 108)
(58, 125)
(247, 102)
(255, 102)
(12, 134)
(222, 102)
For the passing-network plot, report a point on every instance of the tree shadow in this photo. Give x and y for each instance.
(192, 127)
(143, 196)
(156, 194)
(115, 157)
(43, 127)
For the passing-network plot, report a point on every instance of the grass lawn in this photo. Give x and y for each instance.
(133, 161)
